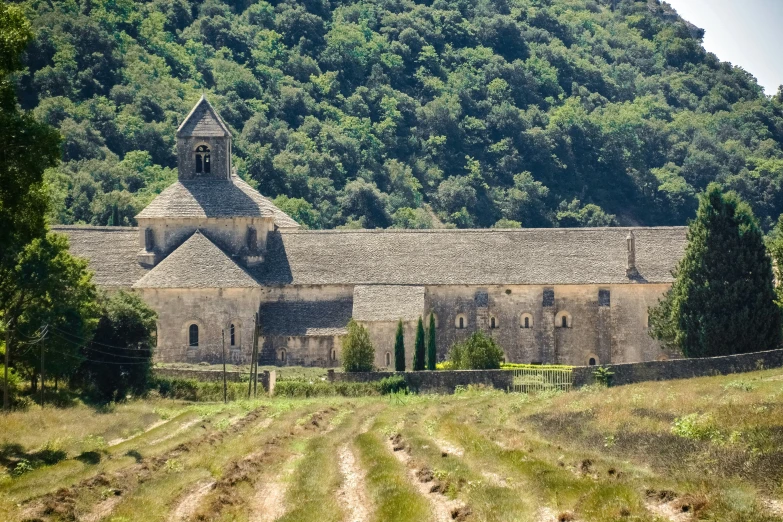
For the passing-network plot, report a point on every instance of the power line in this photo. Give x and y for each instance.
(90, 341)
(95, 350)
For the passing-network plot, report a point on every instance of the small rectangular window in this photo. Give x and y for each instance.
(604, 298)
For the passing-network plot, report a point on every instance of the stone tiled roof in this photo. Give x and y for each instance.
(197, 263)
(214, 198)
(470, 257)
(306, 318)
(387, 303)
(203, 120)
(110, 251)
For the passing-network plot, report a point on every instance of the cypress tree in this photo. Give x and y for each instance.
(399, 349)
(418, 354)
(432, 351)
(722, 300)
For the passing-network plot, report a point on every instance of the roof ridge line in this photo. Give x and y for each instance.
(477, 230)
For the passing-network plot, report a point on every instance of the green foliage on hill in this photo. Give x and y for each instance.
(393, 113)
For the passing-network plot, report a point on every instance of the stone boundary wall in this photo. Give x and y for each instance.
(199, 375)
(266, 378)
(434, 381)
(682, 368)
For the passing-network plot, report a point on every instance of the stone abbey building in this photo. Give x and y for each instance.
(210, 251)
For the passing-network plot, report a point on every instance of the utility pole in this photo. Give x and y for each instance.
(225, 387)
(255, 355)
(252, 355)
(43, 375)
(6, 399)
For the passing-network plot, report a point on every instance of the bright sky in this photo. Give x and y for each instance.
(747, 33)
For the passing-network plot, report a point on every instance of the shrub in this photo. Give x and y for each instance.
(395, 384)
(603, 376)
(477, 352)
(696, 427)
(197, 391)
(358, 353)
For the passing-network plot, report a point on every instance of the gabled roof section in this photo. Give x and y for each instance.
(109, 251)
(388, 303)
(214, 199)
(203, 120)
(197, 263)
(306, 318)
(555, 256)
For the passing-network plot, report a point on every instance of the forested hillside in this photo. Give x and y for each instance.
(379, 113)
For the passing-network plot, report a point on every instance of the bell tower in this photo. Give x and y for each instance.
(203, 145)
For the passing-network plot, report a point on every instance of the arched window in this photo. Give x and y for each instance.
(388, 359)
(526, 321)
(232, 333)
(282, 356)
(202, 159)
(493, 323)
(563, 320)
(193, 335)
(460, 321)
(592, 361)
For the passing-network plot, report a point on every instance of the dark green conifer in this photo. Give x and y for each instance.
(432, 351)
(418, 354)
(399, 349)
(722, 301)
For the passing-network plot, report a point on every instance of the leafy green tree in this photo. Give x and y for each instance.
(49, 287)
(432, 348)
(419, 354)
(28, 148)
(722, 301)
(399, 349)
(357, 350)
(369, 112)
(118, 360)
(477, 352)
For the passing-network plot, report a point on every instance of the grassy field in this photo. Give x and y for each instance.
(701, 449)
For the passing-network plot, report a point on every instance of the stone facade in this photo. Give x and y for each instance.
(211, 252)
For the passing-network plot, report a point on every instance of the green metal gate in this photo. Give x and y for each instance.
(527, 380)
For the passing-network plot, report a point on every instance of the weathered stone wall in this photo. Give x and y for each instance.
(220, 157)
(383, 335)
(265, 378)
(228, 233)
(683, 368)
(435, 382)
(613, 330)
(300, 350)
(199, 375)
(212, 310)
(616, 332)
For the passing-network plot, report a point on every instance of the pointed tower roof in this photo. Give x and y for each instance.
(203, 120)
(197, 263)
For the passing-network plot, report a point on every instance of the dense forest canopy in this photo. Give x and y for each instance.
(396, 113)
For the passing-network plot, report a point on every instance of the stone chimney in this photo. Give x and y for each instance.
(630, 269)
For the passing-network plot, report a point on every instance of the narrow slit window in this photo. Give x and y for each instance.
(232, 333)
(527, 322)
(564, 320)
(492, 323)
(388, 359)
(461, 322)
(193, 336)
